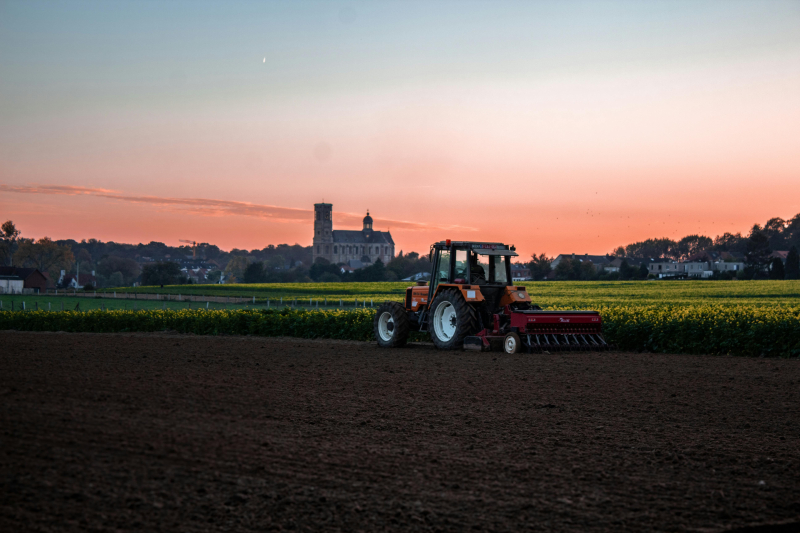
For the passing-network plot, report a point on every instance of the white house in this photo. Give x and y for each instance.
(697, 269)
(666, 269)
(724, 266)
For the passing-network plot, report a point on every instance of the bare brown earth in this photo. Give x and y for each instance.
(104, 432)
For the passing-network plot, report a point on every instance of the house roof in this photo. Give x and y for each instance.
(23, 273)
(732, 255)
(595, 259)
(341, 236)
(782, 254)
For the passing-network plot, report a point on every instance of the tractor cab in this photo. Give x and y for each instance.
(482, 268)
(470, 263)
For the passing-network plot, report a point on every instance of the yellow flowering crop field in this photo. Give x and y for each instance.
(701, 317)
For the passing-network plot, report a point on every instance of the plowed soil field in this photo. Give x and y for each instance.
(124, 432)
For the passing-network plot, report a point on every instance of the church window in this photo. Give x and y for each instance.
(327, 249)
(334, 250)
(317, 248)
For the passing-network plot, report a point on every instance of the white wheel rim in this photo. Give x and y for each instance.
(444, 321)
(383, 326)
(511, 344)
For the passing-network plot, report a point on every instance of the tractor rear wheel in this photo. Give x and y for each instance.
(391, 325)
(450, 320)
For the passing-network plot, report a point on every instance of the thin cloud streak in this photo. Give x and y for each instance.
(209, 207)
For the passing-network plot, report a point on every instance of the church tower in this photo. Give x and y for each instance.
(323, 230)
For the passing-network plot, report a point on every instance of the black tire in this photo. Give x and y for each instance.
(456, 317)
(390, 325)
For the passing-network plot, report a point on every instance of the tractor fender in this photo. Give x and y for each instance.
(513, 295)
(417, 297)
(471, 293)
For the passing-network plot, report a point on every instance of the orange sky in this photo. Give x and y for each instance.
(557, 147)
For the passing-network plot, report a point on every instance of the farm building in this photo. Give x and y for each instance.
(18, 280)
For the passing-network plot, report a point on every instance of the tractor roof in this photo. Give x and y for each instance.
(482, 248)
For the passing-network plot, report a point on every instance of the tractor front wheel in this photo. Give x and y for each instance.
(450, 320)
(390, 325)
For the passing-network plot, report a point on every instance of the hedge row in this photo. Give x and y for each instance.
(352, 325)
(701, 329)
(705, 329)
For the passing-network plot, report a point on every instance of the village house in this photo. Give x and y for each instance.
(665, 269)
(195, 273)
(697, 269)
(727, 266)
(76, 282)
(520, 273)
(780, 254)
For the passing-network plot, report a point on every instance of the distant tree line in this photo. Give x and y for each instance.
(775, 234)
(399, 267)
(117, 264)
(756, 248)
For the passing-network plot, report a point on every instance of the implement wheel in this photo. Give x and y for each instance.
(512, 344)
(390, 325)
(450, 320)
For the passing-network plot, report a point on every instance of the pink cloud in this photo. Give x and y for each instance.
(209, 207)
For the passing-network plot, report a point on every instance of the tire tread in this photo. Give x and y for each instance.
(466, 315)
(401, 324)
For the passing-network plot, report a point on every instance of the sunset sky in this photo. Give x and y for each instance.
(561, 127)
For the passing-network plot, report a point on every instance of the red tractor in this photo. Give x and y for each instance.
(471, 302)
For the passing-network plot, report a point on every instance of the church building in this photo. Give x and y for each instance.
(342, 246)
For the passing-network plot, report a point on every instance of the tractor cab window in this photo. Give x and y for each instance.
(499, 269)
(441, 269)
(461, 267)
(478, 268)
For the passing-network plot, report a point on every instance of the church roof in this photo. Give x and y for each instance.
(358, 237)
